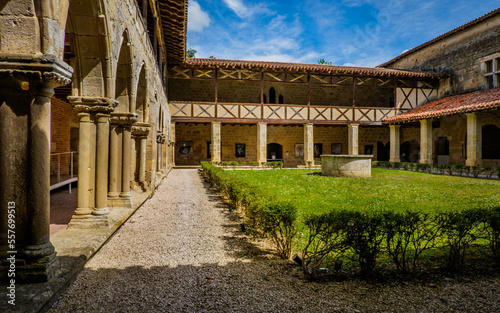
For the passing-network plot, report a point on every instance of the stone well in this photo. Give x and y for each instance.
(346, 165)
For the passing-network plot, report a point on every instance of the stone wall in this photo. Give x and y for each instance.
(460, 55)
(191, 90)
(233, 134)
(331, 96)
(454, 128)
(63, 119)
(237, 91)
(197, 135)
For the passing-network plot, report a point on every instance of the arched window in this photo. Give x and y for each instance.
(265, 99)
(491, 144)
(272, 95)
(280, 99)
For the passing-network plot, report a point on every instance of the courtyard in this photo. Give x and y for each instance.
(183, 251)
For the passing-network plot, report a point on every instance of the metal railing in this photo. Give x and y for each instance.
(62, 169)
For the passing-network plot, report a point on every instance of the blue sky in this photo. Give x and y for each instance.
(344, 32)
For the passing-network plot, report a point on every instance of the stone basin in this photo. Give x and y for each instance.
(346, 165)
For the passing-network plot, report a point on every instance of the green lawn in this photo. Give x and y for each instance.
(387, 189)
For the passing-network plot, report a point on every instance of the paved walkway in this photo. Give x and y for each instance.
(182, 251)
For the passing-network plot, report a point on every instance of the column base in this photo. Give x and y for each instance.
(144, 185)
(121, 201)
(89, 221)
(33, 264)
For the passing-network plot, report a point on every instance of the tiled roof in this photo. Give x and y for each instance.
(307, 67)
(464, 103)
(448, 34)
(173, 15)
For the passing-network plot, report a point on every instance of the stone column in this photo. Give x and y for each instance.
(26, 88)
(84, 205)
(140, 131)
(216, 142)
(92, 210)
(172, 142)
(102, 154)
(114, 138)
(120, 154)
(261, 142)
(395, 145)
(308, 143)
(474, 140)
(426, 143)
(352, 139)
(125, 195)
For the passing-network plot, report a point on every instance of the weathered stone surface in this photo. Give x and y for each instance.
(346, 165)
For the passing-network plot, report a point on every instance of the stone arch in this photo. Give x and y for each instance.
(87, 49)
(124, 71)
(142, 96)
(490, 144)
(272, 95)
(276, 150)
(383, 151)
(410, 151)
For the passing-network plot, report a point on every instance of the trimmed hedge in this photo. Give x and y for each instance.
(457, 170)
(363, 236)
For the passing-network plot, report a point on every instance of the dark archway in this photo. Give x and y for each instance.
(491, 142)
(383, 151)
(272, 95)
(274, 152)
(410, 151)
(280, 99)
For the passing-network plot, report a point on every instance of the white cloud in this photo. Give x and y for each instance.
(244, 11)
(197, 18)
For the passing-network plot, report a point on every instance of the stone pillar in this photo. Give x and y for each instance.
(261, 142)
(308, 143)
(140, 131)
(102, 154)
(26, 88)
(395, 145)
(426, 143)
(120, 155)
(474, 140)
(352, 139)
(92, 210)
(114, 137)
(84, 205)
(172, 143)
(126, 157)
(216, 142)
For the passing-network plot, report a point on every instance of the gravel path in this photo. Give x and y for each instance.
(183, 252)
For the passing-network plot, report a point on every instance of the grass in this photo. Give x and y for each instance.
(386, 189)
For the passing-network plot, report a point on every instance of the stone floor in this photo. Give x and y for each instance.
(62, 207)
(183, 251)
(74, 248)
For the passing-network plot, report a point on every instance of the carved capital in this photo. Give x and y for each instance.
(31, 72)
(160, 138)
(140, 129)
(123, 118)
(93, 104)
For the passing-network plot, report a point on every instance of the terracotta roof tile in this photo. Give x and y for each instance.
(173, 14)
(464, 103)
(308, 67)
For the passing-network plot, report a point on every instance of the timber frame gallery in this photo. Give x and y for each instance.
(103, 89)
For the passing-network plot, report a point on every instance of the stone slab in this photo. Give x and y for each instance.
(346, 165)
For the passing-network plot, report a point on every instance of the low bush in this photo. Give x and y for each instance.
(364, 235)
